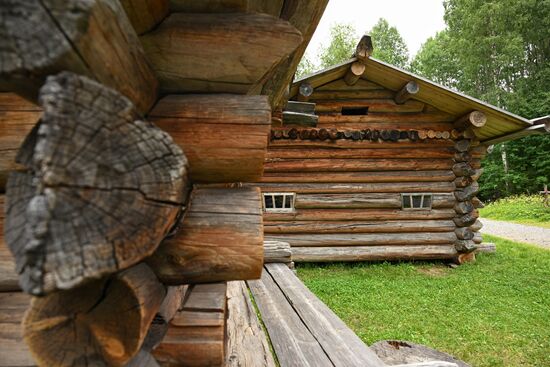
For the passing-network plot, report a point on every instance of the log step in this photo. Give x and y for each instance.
(303, 330)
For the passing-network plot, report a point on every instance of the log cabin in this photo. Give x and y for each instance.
(370, 162)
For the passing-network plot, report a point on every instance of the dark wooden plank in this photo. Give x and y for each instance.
(206, 297)
(341, 344)
(293, 343)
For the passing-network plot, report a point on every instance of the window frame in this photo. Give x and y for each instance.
(411, 202)
(284, 209)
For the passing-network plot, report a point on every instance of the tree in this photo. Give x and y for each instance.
(388, 44)
(305, 67)
(343, 39)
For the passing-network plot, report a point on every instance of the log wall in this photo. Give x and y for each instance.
(349, 172)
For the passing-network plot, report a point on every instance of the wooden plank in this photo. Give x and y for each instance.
(355, 165)
(349, 187)
(418, 118)
(9, 281)
(274, 153)
(247, 344)
(319, 227)
(224, 137)
(303, 107)
(341, 85)
(360, 177)
(373, 253)
(291, 339)
(361, 144)
(13, 350)
(339, 342)
(371, 200)
(224, 53)
(364, 239)
(206, 297)
(360, 214)
(95, 40)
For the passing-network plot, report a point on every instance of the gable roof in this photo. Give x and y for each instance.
(500, 123)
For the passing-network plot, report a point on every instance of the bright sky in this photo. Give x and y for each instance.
(416, 20)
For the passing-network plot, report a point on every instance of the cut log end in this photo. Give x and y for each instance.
(408, 91)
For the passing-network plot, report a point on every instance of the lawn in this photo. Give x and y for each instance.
(519, 209)
(494, 312)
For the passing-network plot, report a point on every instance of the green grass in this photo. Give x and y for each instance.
(519, 209)
(494, 312)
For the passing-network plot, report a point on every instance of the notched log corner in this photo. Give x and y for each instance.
(101, 190)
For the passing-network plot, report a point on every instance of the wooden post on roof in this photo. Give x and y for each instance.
(92, 38)
(409, 90)
(364, 48)
(101, 189)
(472, 119)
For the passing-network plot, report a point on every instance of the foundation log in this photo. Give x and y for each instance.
(82, 37)
(102, 322)
(220, 238)
(101, 190)
(465, 245)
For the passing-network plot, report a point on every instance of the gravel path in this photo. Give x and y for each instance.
(517, 232)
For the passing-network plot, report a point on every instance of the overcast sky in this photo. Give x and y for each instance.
(416, 20)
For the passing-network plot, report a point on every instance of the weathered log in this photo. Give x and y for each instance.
(102, 190)
(302, 107)
(465, 257)
(474, 118)
(360, 215)
(83, 37)
(487, 247)
(145, 14)
(363, 239)
(467, 219)
(247, 344)
(365, 226)
(462, 157)
(463, 145)
(477, 203)
(476, 226)
(403, 353)
(468, 192)
(477, 174)
(464, 233)
(277, 252)
(17, 118)
(8, 275)
(217, 52)
(364, 48)
(300, 119)
(463, 169)
(463, 207)
(196, 334)
(358, 165)
(357, 200)
(221, 238)
(224, 137)
(409, 90)
(350, 187)
(101, 322)
(477, 237)
(354, 73)
(465, 246)
(463, 181)
(361, 177)
(373, 253)
(13, 350)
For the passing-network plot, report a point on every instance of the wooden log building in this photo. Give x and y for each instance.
(148, 145)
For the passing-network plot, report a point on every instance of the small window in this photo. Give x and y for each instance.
(279, 202)
(355, 111)
(416, 201)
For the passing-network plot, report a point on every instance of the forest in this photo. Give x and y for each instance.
(495, 50)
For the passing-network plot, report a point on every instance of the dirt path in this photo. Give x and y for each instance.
(517, 232)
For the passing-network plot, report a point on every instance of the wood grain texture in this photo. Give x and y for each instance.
(145, 14)
(247, 344)
(360, 214)
(275, 154)
(9, 280)
(17, 118)
(103, 322)
(277, 252)
(13, 350)
(223, 136)
(356, 200)
(356, 165)
(221, 238)
(217, 52)
(373, 253)
(374, 105)
(350, 187)
(196, 334)
(102, 190)
(92, 38)
(360, 177)
(366, 226)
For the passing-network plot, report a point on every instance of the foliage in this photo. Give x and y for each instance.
(526, 209)
(305, 67)
(388, 44)
(343, 40)
(498, 51)
(489, 313)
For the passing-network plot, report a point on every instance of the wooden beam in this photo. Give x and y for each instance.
(145, 14)
(409, 90)
(354, 73)
(225, 53)
(224, 137)
(472, 119)
(299, 119)
(535, 129)
(102, 189)
(221, 238)
(302, 107)
(363, 226)
(364, 48)
(94, 39)
(104, 321)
